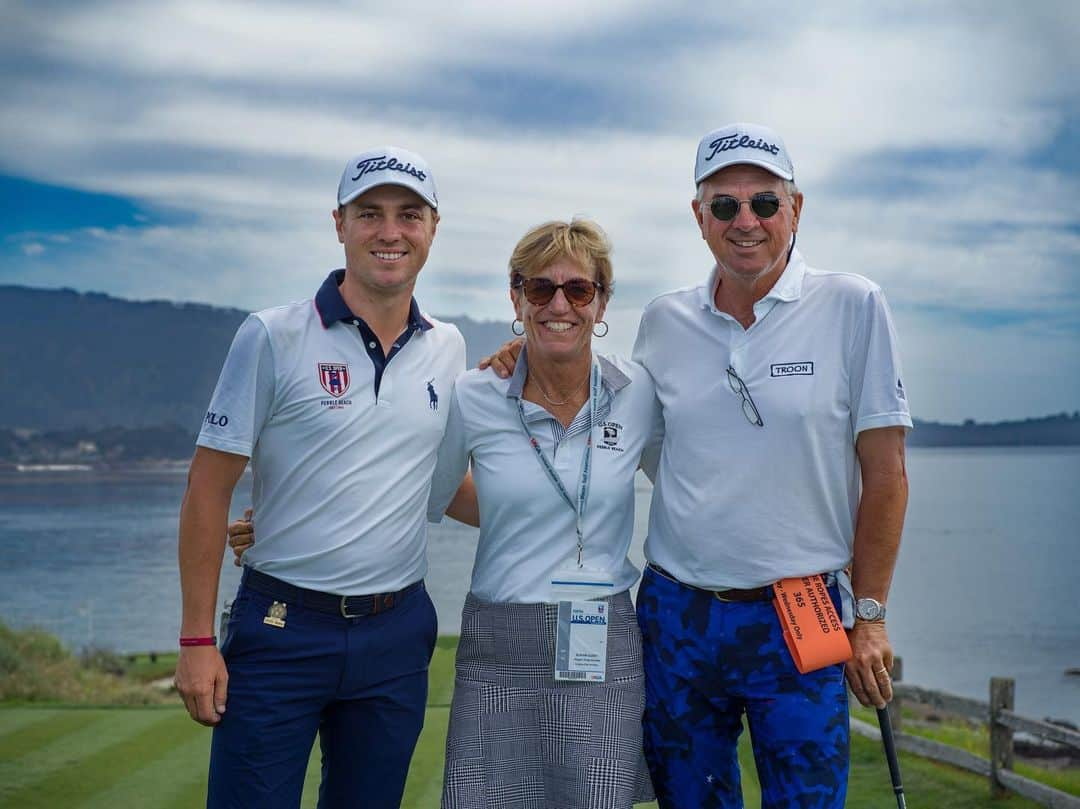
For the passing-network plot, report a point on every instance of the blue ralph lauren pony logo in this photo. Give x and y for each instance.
(433, 397)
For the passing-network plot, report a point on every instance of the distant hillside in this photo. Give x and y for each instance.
(1062, 429)
(74, 360)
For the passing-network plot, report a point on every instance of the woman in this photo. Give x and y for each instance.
(553, 452)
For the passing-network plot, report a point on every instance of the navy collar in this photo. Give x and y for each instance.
(333, 309)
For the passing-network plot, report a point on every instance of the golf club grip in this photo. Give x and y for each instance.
(889, 743)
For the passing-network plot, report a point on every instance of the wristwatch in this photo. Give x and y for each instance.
(869, 609)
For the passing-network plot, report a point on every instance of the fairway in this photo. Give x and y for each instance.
(146, 758)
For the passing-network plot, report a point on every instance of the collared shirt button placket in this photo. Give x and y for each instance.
(762, 309)
(738, 357)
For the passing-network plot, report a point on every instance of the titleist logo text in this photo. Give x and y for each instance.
(382, 164)
(736, 142)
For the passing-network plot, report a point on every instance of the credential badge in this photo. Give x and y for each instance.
(275, 616)
(334, 378)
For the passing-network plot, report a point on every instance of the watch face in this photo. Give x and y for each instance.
(869, 609)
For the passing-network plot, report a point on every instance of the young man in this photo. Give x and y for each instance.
(334, 400)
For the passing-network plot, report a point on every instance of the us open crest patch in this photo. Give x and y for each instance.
(334, 378)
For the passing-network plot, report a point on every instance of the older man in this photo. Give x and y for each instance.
(785, 417)
(335, 401)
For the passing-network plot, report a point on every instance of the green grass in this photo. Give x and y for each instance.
(976, 739)
(146, 667)
(150, 757)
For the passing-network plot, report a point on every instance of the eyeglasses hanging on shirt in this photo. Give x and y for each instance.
(749, 409)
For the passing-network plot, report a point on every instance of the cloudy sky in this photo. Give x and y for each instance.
(191, 151)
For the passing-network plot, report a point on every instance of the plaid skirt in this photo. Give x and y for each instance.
(520, 740)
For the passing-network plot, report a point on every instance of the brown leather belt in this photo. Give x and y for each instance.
(733, 595)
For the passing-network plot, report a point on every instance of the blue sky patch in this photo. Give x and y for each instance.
(1063, 152)
(31, 207)
(990, 319)
(901, 172)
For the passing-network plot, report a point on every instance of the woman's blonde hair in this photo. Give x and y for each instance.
(580, 240)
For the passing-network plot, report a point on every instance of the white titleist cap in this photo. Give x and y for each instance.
(742, 143)
(387, 165)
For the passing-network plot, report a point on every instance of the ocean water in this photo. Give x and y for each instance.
(985, 584)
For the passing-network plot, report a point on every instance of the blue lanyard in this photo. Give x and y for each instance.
(586, 461)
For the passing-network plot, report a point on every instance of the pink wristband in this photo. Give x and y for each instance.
(209, 641)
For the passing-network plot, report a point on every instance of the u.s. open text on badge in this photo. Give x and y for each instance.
(581, 641)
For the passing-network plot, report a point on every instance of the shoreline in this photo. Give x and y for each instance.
(35, 471)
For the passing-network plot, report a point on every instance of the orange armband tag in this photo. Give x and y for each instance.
(812, 629)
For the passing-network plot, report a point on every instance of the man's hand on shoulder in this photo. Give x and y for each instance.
(203, 681)
(502, 362)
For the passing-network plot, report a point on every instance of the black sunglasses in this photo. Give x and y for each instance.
(540, 291)
(764, 205)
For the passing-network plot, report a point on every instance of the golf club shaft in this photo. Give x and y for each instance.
(887, 740)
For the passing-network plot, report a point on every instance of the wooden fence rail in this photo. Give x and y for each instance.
(1003, 722)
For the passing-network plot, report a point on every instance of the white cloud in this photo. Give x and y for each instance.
(333, 43)
(851, 88)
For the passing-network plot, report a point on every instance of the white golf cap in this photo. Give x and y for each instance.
(387, 165)
(735, 144)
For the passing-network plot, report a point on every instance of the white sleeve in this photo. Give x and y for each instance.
(650, 453)
(244, 394)
(452, 462)
(640, 354)
(878, 396)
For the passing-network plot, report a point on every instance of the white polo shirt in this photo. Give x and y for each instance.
(737, 505)
(527, 530)
(342, 474)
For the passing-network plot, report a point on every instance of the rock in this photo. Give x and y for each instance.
(165, 685)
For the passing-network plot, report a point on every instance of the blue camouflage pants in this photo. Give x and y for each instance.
(707, 662)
